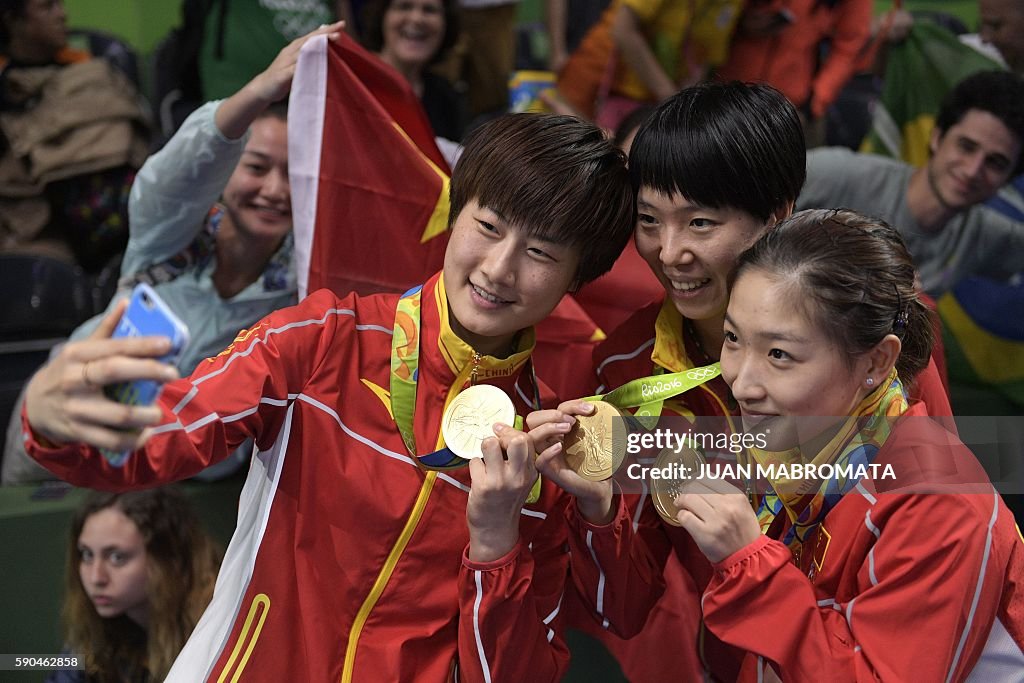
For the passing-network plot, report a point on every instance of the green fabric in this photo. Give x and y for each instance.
(971, 395)
(254, 32)
(142, 23)
(919, 72)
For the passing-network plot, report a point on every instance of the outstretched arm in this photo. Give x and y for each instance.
(242, 393)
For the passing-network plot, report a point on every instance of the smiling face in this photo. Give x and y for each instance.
(499, 280)
(972, 160)
(692, 249)
(112, 565)
(258, 195)
(779, 363)
(413, 31)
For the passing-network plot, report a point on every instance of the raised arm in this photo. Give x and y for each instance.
(176, 187)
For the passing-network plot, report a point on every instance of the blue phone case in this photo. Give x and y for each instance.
(146, 315)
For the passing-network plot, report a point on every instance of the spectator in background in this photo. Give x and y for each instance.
(72, 134)
(975, 149)
(808, 49)
(485, 54)
(35, 32)
(411, 35)
(643, 51)
(219, 269)
(140, 572)
(1002, 25)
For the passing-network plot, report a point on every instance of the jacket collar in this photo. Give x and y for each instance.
(459, 358)
(669, 347)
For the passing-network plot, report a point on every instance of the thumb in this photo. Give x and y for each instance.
(105, 330)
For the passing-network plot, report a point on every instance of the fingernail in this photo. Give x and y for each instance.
(588, 408)
(499, 427)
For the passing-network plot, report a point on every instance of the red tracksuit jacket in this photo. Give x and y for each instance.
(349, 561)
(617, 566)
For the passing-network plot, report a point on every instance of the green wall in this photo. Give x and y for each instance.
(142, 23)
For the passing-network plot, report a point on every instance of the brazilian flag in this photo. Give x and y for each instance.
(983, 320)
(919, 72)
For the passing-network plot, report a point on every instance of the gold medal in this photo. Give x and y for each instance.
(681, 467)
(470, 418)
(589, 448)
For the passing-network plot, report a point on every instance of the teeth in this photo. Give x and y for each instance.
(687, 286)
(489, 297)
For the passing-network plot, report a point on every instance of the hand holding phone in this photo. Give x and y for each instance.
(146, 315)
(67, 400)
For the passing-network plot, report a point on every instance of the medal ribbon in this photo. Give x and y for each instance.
(405, 361)
(648, 394)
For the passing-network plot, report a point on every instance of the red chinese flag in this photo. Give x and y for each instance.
(369, 185)
(370, 195)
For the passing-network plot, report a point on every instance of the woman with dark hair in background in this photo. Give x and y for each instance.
(412, 35)
(140, 572)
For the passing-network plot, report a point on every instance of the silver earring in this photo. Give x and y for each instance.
(870, 381)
